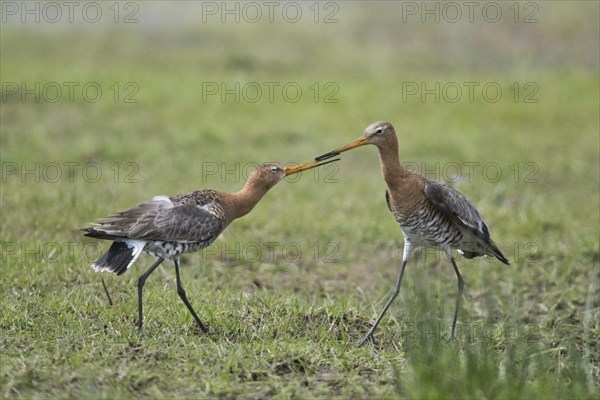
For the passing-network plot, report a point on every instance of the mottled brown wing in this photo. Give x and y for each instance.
(457, 207)
(184, 223)
(160, 220)
(119, 225)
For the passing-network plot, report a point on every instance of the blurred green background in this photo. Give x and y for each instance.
(106, 104)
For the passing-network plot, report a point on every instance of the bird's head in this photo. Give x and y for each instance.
(266, 175)
(380, 133)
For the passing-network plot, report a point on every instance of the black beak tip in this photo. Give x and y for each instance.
(326, 156)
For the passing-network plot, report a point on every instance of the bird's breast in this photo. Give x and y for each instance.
(429, 228)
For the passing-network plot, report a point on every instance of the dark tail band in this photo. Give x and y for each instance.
(119, 257)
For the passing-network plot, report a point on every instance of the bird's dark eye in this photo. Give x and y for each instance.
(379, 131)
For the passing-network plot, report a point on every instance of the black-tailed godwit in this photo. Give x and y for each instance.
(166, 227)
(429, 214)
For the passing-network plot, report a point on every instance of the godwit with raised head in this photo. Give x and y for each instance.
(166, 227)
(429, 214)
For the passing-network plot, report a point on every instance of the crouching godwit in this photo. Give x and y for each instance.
(429, 213)
(166, 227)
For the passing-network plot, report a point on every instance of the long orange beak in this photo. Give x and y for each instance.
(357, 143)
(303, 167)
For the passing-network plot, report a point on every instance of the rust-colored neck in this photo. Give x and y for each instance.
(242, 202)
(393, 172)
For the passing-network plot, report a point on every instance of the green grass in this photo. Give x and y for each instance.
(284, 322)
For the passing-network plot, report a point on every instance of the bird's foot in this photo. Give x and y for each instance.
(201, 329)
(367, 338)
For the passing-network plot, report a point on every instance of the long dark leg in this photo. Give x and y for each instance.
(181, 294)
(141, 282)
(461, 284)
(369, 335)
